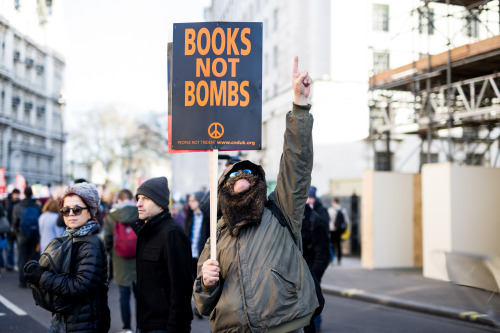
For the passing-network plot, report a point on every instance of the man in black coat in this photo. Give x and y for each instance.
(316, 251)
(164, 277)
(12, 201)
(26, 245)
(316, 204)
(315, 242)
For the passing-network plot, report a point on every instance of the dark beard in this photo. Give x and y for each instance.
(244, 208)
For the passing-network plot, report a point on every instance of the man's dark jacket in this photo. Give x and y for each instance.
(16, 216)
(164, 277)
(321, 210)
(11, 204)
(316, 244)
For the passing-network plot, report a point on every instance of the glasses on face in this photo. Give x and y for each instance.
(233, 174)
(77, 210)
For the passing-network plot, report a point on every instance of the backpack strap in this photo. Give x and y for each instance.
(271, 205)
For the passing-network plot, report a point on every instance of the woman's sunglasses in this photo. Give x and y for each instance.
(77, 210)
(235, 173)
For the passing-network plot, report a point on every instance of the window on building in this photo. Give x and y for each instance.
(2, 102)
(56, 121)
(27, 116)
(426, 20)
(48, 3)
(434, 158)
(472, 26)
(2, 49)
(40, 117)
(380, 17)
(57, 83)
(275, 20)
(473, 159)
(381, 162)
(380, 61)
(16, 100)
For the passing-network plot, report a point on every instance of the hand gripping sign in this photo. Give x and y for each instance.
(215, 93)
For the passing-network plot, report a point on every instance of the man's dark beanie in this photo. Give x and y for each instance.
(199, 196)
(157, 190)
(28, 192)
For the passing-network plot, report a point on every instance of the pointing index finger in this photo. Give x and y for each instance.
(295, 65)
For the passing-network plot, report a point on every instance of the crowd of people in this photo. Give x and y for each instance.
(158, 251)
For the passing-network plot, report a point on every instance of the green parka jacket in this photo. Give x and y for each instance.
(124, 271)
(265, 284)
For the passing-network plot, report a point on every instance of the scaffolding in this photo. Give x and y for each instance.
(451, 97)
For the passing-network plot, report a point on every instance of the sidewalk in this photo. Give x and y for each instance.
(408, 289)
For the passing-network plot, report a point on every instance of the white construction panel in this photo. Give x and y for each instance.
(390, 229)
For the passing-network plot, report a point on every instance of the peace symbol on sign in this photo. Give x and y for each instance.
(215, 130)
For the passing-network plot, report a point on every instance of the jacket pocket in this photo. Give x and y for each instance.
(151, 254)
(288, 285)
(280, 294)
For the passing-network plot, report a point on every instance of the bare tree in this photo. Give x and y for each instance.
(146, 144)
(115, 139)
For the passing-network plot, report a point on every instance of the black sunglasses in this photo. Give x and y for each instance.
(77, 210)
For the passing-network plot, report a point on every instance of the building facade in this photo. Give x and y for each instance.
(342, 44)
(31, 85)
(438, 99)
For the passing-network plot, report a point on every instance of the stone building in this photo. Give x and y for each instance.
(31, 85)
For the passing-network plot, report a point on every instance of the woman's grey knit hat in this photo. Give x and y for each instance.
(88, 193)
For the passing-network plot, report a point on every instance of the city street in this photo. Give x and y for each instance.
(18, 313)
(200, 112)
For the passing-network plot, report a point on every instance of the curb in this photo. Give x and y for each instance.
(443, 311)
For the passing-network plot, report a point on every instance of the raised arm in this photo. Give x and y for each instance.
(294, 178)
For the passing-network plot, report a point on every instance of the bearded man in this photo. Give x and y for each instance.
(259, 281)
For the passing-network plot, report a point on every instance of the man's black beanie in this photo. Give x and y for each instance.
(157, 190)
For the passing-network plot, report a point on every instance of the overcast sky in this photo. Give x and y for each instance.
(116, 51)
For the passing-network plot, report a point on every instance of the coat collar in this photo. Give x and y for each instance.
(155, 220)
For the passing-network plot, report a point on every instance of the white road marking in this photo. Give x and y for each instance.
(11, 306)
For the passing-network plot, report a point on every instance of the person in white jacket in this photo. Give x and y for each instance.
(47, 223)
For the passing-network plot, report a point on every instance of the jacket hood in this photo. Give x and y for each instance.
(125, 214)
